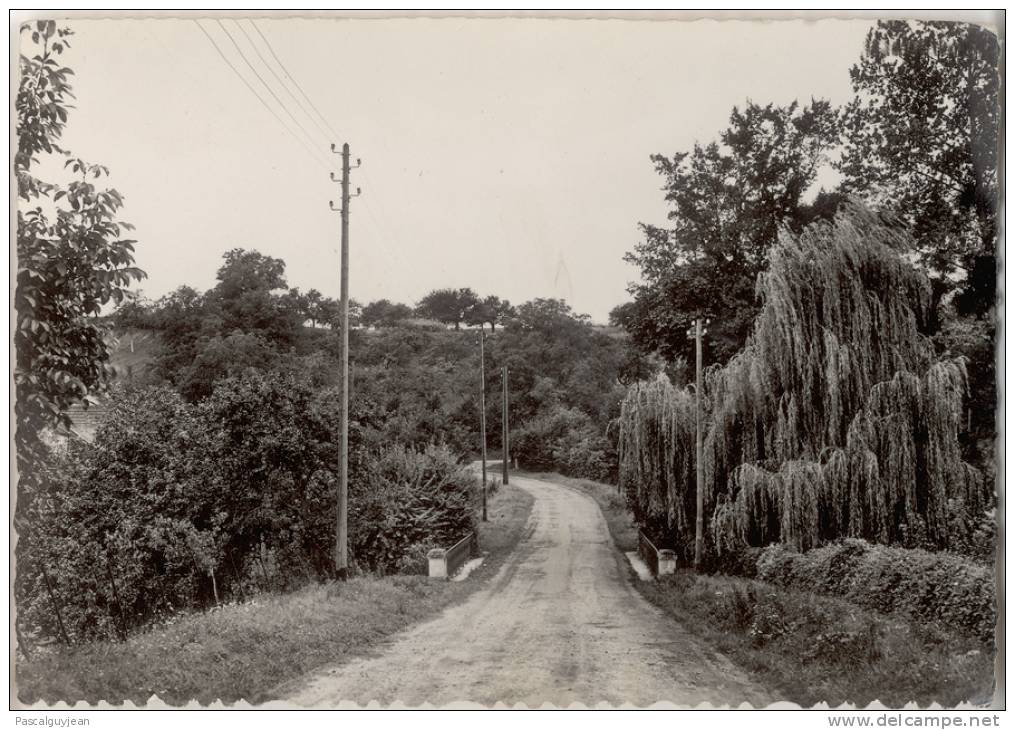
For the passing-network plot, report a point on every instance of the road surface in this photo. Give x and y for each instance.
(559, 623)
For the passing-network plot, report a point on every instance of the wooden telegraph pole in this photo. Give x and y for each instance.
(342, 526)
(482, 410)
(699, 521)
(504, 439)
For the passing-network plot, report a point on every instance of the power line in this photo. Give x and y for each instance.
(383, 211)
(382, 237)
(254, 92)
(378, 219)
(290, 77)
(261, 79)
(281, 83)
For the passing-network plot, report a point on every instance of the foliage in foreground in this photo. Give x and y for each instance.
(178, 506)
(407, 501)
(248, 650)
(835, 420)
(811, 648)
(938, 588)
(72, 260)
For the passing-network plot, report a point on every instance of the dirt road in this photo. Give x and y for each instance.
(559, 623)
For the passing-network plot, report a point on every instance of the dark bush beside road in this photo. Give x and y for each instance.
(940, 587)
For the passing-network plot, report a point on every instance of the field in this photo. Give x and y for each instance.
(244, 651)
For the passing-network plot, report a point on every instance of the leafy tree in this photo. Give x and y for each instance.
(298, 301)
(568, 440)
(135, 312)
(219, 357)
(329, 312)
(181, 319)
(921, 138)
(315, 300)
(556, 357)
(384, 313)
(99, 559)
(177, 505)
(245, 271)
(248, 297)
(450, 306)
(71, 262)
(836, 420)
(727, 200)
(490, 310)
(548, 316)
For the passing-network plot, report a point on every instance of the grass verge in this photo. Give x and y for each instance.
(809, 648)
(246, 650)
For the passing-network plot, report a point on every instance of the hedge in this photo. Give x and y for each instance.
(942, 587)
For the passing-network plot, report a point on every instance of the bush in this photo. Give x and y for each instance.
(178, 506)
(565, 440)
(110, 542)
(938, 587)
(414, 561)
(409, 500)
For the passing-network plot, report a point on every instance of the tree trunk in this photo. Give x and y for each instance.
(56, 606)
(214, 586)
(116, 600)
(23, 642)
(239, 580)
(264, 570)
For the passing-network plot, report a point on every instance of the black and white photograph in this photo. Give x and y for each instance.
(515, 360)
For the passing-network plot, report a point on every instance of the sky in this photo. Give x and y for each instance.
(507, 155)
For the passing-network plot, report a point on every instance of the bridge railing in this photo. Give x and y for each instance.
(445, 563)
(659, 561)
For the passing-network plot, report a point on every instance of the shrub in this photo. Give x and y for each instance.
(565, 440)
(860, 647)
(734, 610)
(414, 560)
(939, 587)
(408, 499)
(178, 506)
(116, 537)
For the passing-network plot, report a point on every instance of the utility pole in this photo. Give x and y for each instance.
(699, 521)
(342, 526)
(482, 410)
(504, 439)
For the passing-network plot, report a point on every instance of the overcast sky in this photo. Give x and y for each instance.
(511, 156)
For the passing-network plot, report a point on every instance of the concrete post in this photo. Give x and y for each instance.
(437, 560)
(667, 562)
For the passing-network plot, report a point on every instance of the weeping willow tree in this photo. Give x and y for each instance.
(656, 448)
(834, 420)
